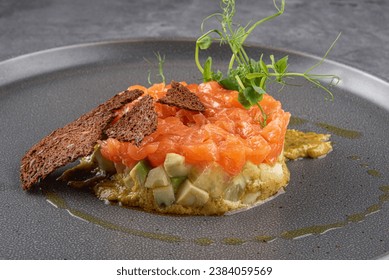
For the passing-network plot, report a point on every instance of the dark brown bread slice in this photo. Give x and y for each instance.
(139, 122)
(119, 100)
(74, 140)
(181, 97)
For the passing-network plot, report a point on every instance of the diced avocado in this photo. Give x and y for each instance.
(128, 181)
(104, 164)
(164, 196)
(139, 172)
(177, 181)
(271, 173)
(120, 167)
(250, 198)
(235, 189)
(175, 166)
(250, 171)
(213, 179)
(189, 195)
(157, 177)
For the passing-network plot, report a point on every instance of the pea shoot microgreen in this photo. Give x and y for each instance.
(246, 75)
(161, 62)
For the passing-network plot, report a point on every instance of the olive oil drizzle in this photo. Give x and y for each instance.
(342, 132)
(233, 241)
(339, 131)
(59, 202)
(264, 238)
(204, 241)
(295, 121)
(353, 218)
(311, 230)
(374, 173)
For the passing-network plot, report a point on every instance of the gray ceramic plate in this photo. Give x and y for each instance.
(333, 208)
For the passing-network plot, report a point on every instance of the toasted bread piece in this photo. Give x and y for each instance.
(139, 122)
(181, 97)
(72, 141)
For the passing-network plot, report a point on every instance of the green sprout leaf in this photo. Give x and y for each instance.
(281, 65)
(243, 100)
(161, 62)
(230, 83)
(207, 74)
(205, 42)
(263, 66)
(258, 89)
(252, 96)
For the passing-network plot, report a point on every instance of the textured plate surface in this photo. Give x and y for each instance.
(333, 208)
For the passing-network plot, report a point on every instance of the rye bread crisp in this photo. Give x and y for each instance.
(140, 121)
(74, 140)
(181, 97)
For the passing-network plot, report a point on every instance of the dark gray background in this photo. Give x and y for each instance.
(307, 25)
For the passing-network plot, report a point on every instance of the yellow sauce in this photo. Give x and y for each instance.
(300, 144)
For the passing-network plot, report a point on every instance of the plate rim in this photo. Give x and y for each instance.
(249, 44)
(378, 98)
(188, 40)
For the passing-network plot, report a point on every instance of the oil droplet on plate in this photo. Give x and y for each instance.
(374, 173)
(203, 241)
(294, 121)
(342, 132)
(233, 241)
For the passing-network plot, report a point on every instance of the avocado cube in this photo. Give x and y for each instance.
(177, 181)
(213, 179)
(235, 188)
(164, 196)
(104, 164)
(128, 181)
(157, 177)
(139, 172)
(175, 166)
(189, 195)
